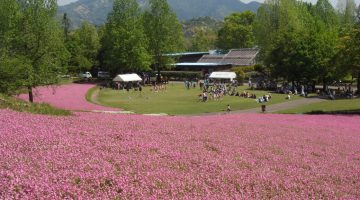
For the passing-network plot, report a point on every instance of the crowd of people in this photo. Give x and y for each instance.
(217, 91)
(158, 87)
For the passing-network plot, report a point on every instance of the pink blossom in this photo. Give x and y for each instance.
(70, 97)
(242, 156)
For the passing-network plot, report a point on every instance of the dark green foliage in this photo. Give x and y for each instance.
(298, 40)
(84, 45)
(349, 56)
(164, 32)
(237, 31)
(33, 51)
(203, 41)
(125, 45)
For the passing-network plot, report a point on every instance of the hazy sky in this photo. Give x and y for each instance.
(62, 2)
(313, 1)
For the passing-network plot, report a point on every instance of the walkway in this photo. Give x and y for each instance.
(283, 106)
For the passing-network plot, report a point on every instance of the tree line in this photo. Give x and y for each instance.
(299, 42)
(36, 48)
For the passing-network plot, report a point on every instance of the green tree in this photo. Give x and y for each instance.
(84, 45)
(66, 26)
(11, 67)
(349, 57)
(298, 40)
(347, 9)
(283, 38)
(324, 36)
(40, 44)
(326, 12)
(358, 15)
(125, 43)
(202, 41)
(237, 31)
(164, 32)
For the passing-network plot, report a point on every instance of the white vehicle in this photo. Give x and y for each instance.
(102, 74)
(86, 75)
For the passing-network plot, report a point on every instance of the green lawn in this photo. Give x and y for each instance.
(344, 106)
(177, 100)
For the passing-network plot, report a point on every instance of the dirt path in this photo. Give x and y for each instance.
(283, 106)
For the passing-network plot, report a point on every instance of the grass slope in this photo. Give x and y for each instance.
(24, 106)
(177, 100)
(344, 106)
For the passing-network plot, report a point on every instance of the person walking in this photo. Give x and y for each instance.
(228, 108)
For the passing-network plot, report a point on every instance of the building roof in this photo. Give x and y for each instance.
(211, 59)
(187, 54)
(201, 64)
(237, 57)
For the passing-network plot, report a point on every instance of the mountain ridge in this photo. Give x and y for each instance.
(96, 11)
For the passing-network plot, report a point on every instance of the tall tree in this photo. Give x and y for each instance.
(40, 43)
(237, 31)
(66, 26)
(324, 36)
(349, 57)
(297, 39)
(358, 15)
(164, 32)
(11, 67)
(125, 43)
(326, 12)
(347, 9)
(203, 40)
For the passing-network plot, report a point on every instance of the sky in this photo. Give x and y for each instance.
(334, 2)
(63, 2)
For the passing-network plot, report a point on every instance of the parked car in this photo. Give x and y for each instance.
(86, 75)
(102, 74)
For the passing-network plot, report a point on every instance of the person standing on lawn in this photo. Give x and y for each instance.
(228, 108)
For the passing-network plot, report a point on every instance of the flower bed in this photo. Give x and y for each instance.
(104, 156)
(69, 96)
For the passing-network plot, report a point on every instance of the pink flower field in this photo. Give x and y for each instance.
(250, 156)
(70, 97)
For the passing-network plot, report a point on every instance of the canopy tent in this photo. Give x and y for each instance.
(223, 75)
(127, 78)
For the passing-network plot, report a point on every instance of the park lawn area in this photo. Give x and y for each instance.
(177, 100)
(343, 106)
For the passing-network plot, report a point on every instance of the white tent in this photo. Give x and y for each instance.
(127, 78)
(223, 75)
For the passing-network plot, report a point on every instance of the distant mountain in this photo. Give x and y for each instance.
(96, 11)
